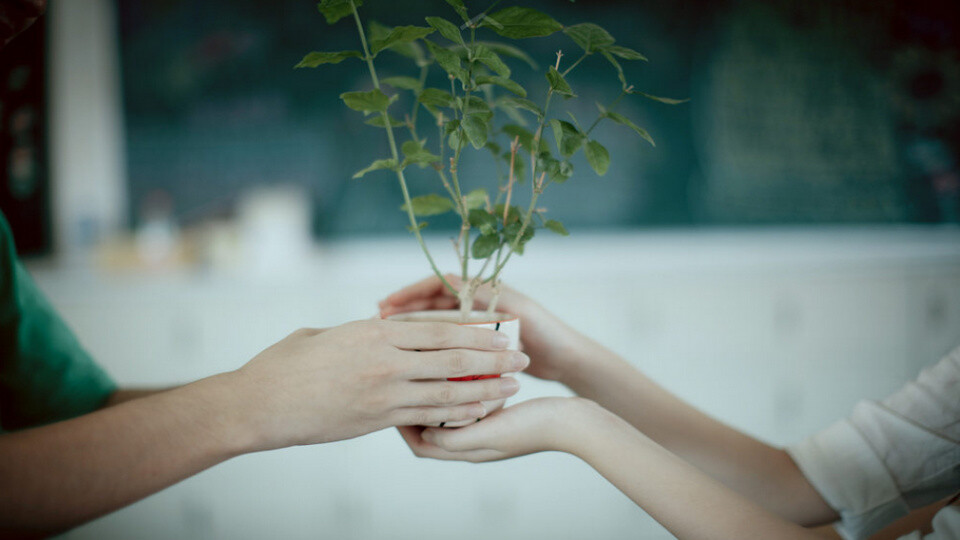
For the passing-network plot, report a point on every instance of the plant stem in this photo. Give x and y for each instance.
(396, 155)
(573, 65)
(609, 108)
(416, 105)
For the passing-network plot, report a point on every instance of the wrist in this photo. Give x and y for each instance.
(222, 402)
(591, 429)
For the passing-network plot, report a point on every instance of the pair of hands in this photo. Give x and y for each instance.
(557, 352)
(319, 386)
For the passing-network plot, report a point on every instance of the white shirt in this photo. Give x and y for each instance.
(891, 457)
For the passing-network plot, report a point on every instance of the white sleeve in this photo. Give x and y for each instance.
(889, 457)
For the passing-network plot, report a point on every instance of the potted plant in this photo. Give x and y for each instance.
(479, 108)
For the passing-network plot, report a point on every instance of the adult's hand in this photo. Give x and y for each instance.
(557, 351)
(325, 385)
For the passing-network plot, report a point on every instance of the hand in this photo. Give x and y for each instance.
(533, 426)
(324, 385)
(556, 350)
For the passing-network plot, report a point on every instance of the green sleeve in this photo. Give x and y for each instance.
(45, 375)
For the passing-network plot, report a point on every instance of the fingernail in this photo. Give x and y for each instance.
(519, 361)
(501, 341)
(508, 386)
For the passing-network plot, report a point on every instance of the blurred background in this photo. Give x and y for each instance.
(789, 247)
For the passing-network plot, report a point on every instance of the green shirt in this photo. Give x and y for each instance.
(45, 375)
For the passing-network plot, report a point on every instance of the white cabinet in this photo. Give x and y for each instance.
(778, 333)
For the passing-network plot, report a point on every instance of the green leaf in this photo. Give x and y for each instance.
(510, 51)
(367, 102)
(556, 227)
(502, 82)
(558, 171)
(378, 165)
(475, 126)
(411, 49)
(558, 84)
(616, 65)
(415, 153)
(598, 157)
(512, 231)
(519, 23)
(400, 34)
(446, 28)
(625, 53)
(568, 137)
(377, 121)
(429, 205)
(476, 199)
(477, 105)
(483, 220)
(406, 83)
(436, 97)
(334, 10)
(623, 120)
(485, 245)
(314, 59)
(590, 37)
(459, 8)
(447, 59)
(668, 101)
(490, 59)
(454, 141)
(521, 103)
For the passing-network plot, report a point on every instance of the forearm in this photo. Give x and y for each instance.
(760, 472)
(60, 475)
(680, 497)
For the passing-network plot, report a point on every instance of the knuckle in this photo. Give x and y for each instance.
(445, 395)
(459, 363)
(421, 418)
(443, 336)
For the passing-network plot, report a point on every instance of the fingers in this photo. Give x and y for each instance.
(453, 440)
(412, 436)
(417, 416)
(431, 286)
(452, 363)
(452, 393)
(436, 336)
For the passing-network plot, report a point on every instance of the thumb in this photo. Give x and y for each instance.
(463, 439)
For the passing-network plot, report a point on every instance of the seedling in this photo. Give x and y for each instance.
(483, 109)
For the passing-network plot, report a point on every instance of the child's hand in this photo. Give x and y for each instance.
(533, 426)
(556, 350)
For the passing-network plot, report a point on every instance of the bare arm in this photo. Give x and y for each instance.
(57, 476)
(764, 474)
(758, 471)
(679, 496)
(314, 386)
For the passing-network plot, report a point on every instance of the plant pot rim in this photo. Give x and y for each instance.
(495, 318)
